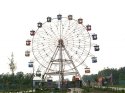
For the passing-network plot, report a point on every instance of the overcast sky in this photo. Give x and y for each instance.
(18, 17)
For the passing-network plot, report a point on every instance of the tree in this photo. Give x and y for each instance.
(108, 72)
(121, 72)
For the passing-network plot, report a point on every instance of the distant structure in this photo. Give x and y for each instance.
(12, 64)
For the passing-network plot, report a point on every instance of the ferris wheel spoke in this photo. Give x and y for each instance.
(80, 52)
(76, 32)
(54, 29)
(44, 52)
(57, 30)
(51, 37)
(70, 33)
(77, 36)
(70, 28)
(80, 38)
(53, 32)
(66, 28)
(77, 46)
(76, 52)
(46, 39)
(60, 28)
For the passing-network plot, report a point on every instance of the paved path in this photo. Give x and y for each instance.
(75, 90)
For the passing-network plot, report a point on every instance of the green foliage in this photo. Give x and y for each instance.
(108, 72)
(117, 76)
(17, 82)
(121, 72)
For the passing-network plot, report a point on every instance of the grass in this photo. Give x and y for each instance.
(120, 86)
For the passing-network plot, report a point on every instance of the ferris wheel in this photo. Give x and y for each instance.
(60, 45)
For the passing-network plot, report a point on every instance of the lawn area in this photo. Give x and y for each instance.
(119, 86)
(95, 91)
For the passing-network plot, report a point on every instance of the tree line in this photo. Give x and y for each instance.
(23, 82)
(110, 76)
(16, 82)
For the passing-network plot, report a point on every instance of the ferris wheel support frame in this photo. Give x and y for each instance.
(60, 48)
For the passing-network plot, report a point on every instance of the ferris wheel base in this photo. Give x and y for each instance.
(57, 73)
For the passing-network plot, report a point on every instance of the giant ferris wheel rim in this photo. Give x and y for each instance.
(71, 68)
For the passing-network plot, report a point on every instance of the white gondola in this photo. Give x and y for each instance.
(94, 36)
(27, 53)
(38, 73)
(80, 21)
(30, 64)
(28, 42)
(39, 25)
(59, 17)
(32, 32)
(88, 27)
(96, 48)
(87, 70)
(94, 59)
(49, 79)
(49, 19)
(70, 17)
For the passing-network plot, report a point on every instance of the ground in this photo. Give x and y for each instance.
(100, 92)
(78, 90)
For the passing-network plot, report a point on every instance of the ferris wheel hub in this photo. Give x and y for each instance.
(60, 42)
